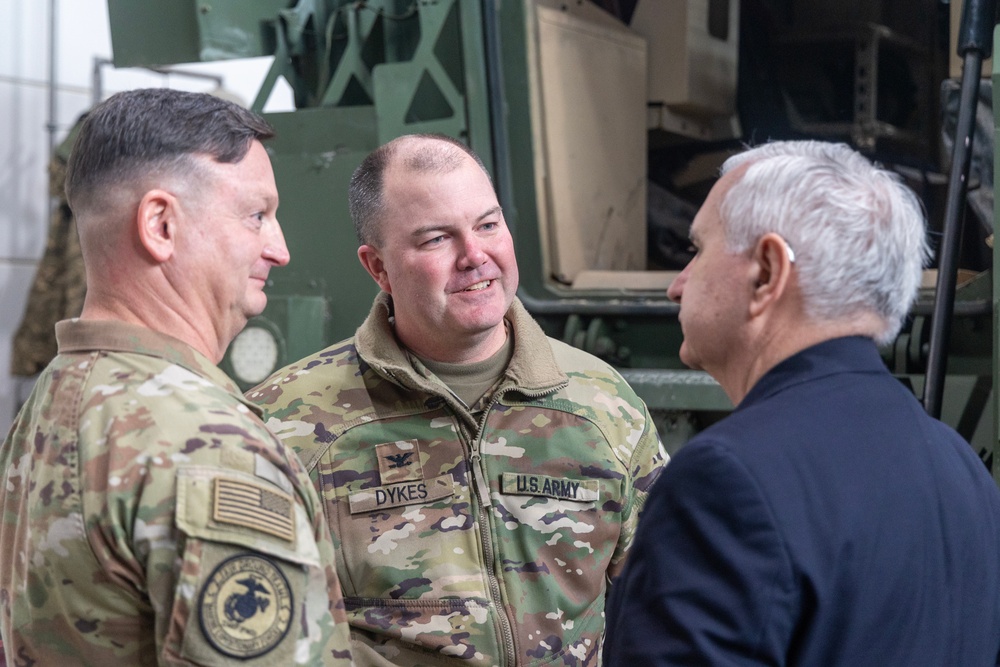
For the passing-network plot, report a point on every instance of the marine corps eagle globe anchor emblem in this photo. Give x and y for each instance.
(241, 607)
(246, 606)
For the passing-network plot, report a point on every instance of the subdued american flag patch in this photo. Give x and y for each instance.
(242, 503)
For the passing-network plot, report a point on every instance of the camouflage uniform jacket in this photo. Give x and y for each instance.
(148, 517)
(482, 537)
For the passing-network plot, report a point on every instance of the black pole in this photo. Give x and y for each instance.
(973, 46)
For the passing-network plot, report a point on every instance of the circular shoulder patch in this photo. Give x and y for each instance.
(246, 606)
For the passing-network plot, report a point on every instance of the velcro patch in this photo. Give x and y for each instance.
(399, 462)
(407, 493)
(246, 606)
(241, 503)
(553, 487)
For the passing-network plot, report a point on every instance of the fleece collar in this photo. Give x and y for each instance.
(532, 369)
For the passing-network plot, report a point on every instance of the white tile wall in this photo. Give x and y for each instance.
(23, 31)
(22, 171)
(83, 35)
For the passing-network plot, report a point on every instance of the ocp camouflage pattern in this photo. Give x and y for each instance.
(58, 288)
(148, 517)
(470, 537)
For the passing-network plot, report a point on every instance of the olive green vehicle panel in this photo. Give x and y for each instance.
(314, 153)
(182, 31)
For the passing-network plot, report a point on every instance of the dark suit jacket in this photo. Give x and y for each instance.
(827, 521)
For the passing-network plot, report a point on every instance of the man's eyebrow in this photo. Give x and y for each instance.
(492, 211)
(445, 227)
(262, 197)
(427, 229)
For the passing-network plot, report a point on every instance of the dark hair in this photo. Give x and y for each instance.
(365, 194)
(137, 132)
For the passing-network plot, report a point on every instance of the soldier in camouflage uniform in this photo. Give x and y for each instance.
(482, 481)
(147, 516)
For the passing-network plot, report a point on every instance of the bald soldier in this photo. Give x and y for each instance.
(482, 480)
(146, 515)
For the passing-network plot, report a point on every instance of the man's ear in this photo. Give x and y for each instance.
(773, 268)
(156, 222)
(372, 261)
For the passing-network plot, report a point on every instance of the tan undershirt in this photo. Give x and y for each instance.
(470, 382)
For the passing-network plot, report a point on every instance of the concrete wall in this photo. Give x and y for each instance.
(82, 34)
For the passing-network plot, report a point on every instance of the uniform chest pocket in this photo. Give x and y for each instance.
(405, 510)
(404, 479)
(401, 494)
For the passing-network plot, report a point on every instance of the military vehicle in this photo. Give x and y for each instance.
(602, 123)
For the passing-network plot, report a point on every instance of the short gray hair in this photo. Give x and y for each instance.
(857, 231)
(153, 131)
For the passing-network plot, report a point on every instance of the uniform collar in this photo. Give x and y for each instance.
(76, 335)
(532, 368)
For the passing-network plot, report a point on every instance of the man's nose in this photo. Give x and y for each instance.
(276, 251)
(676, 287)
(472, 254)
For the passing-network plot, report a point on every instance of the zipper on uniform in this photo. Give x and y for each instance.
(483, 491)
